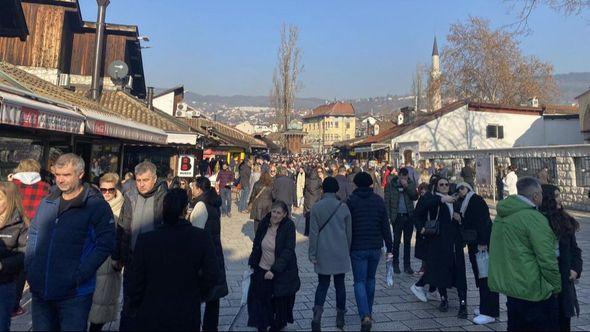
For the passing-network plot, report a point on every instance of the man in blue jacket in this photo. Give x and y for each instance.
(70, 237)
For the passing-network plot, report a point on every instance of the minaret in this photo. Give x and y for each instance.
(435, 98)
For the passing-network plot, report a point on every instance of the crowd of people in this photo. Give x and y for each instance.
(159, 242)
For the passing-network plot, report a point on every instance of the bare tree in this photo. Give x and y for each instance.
(487, 65)
(524, 9)
(418, 88)
(286, 76)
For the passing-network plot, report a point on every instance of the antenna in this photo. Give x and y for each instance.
(118, 71)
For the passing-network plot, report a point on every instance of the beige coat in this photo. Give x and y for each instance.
(105, 301)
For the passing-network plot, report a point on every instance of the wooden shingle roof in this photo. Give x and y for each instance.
(225, 132)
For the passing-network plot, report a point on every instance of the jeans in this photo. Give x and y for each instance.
(7, 298)
(322, 290)
(225, 200)
(61, 315)
(243, 203)
(403, 223)
(533, 316)
(364, 266)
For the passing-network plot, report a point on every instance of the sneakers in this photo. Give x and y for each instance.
(18, 312)
(419, 292)
(483, 319)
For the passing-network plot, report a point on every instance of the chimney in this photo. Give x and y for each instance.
(150, 97)
(99, 47)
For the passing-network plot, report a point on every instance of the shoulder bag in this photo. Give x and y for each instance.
(255, 198)
(329, 218)
(431, 226)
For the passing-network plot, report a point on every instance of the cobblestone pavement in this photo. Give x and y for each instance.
(395, 308)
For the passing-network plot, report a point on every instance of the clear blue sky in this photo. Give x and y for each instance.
(351, 48)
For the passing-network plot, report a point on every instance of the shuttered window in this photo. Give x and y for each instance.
(495, 131)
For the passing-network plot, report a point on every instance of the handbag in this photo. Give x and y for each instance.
(431, 226)
(483, 260)
(255, 198)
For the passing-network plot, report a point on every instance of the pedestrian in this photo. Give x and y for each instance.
(283, 189)
(225, 178)
(510, 181)
(204, 167)
(476, 228)
(206, 215)
(344, 185)
(330, 236)
(468, 173)
(543, 175)
(32, 190)
(312, 193)
(245, 171)
(70, 237)
(275, 279)
(531, 279)
(261, 199)
(370, 228)
(13, 240)
(173, 267)
(400, 194)
(570, 256)
(105, 301)
(254, 177)
(141, 213)
(128, 182)
(300, 185)
(500, 182)
(445, 262)
(377, 189)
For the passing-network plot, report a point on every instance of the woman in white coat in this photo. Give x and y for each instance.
(510, 181)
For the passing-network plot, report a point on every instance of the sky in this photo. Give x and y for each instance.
(351, 49)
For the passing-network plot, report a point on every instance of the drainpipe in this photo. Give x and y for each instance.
(100, 26)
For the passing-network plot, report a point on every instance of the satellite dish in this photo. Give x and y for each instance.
(118, 71)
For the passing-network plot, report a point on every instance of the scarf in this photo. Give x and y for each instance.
(470, 194)
(449, 205)
(116, 204)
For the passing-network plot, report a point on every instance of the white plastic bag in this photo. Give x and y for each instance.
(389, 268)
(483, 260)
(245, 286)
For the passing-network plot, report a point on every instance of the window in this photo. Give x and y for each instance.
(495, 131)
(582, 165)
(348, 125)
(336, 124)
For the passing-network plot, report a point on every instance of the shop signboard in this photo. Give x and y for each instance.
(186, 166)
(484, 170)
(25, 116)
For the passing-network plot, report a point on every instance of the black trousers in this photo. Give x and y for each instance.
(403, 224)
(20, 281)
(489, 302)
(533, 316)
(211, 316)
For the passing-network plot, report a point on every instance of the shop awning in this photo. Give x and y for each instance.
(26, 112)
(182, 138)
(106, 125)
(371, 148)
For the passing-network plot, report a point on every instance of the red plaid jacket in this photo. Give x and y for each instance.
(31, 196)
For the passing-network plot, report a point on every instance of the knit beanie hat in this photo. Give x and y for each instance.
(363, 180)
(330, 185)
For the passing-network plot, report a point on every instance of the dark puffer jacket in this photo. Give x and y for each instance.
(13, 241)
(370, 224)
(64, 250)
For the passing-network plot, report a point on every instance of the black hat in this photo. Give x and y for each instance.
(330, 185)
(363, 179)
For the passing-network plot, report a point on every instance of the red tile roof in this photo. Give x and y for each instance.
(333, 109)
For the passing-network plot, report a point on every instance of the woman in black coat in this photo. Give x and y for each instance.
(206, 215)
(312, 192)
(445, 262)
(477, 228)
(570, 255)
(275, 280)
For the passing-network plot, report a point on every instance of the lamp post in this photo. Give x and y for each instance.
(98, 50)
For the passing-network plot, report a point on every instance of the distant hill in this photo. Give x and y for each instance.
(570, 85)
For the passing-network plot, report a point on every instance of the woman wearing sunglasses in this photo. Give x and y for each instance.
(108, 277)
(445, 263)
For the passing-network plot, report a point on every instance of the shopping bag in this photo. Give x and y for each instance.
(389, 268)
(483, 260)
(245, 286)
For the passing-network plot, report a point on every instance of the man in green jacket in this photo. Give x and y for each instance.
(400, 194)
(523, 260)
